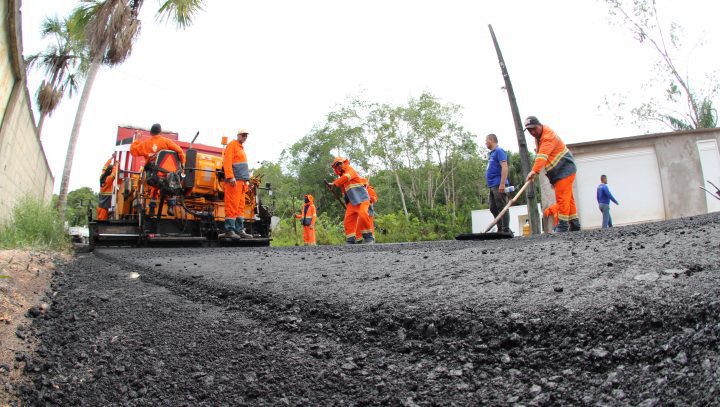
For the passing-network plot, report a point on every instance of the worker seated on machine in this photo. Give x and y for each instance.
(165, 161)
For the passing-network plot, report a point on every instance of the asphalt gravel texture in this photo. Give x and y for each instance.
(626, 316)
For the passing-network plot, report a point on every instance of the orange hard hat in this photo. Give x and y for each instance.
(339, 160)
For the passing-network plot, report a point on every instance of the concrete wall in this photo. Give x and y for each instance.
(678, 163)
(24, 169)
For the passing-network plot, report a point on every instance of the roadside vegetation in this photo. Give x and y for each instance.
(34, 225)
(428, 171)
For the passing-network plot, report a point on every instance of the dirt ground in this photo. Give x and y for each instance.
(24, 279)
(628, 316)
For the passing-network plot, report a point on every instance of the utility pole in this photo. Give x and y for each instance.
(533, 214)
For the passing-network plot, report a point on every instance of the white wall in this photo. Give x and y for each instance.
(482, 218)
(633, 179)
(710, 163)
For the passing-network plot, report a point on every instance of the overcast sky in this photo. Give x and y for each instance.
(278, 67)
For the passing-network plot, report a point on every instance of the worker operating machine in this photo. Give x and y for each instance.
(163, 201)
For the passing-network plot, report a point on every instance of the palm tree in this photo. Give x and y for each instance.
(64, 62)
(111, 28)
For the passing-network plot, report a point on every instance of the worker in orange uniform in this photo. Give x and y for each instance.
(357, 201)
(554, 156)
(371, 212)
(552, 210)
(307, 217)
(106, 188)
(147, 149)
(237, 175)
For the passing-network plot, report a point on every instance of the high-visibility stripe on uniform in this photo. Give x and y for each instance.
(551, 164)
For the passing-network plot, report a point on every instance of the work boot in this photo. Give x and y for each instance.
(171, 207)
(351, 240)
(240, 229)
(231, 235)
(368, 238)
(574, 225)
(562, 227)
(229, 227)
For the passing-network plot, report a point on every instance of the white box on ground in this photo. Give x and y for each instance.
(482, 218)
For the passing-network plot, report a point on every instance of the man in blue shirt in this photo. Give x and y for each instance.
(604, 197)
(497, 179)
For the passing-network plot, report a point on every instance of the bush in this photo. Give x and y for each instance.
(34, 225)
(389, 228)
(327, 232)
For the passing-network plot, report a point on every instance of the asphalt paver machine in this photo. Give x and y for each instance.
(164, 202)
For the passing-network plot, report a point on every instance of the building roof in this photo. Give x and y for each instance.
(644, 137)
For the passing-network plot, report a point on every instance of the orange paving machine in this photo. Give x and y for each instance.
(187, 202)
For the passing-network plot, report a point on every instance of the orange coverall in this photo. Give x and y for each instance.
(554, 156)
(371, 211)
(235, 166)
(149, 147)
(106, 189)
(308, 215)
(357, 200)
(552, 210)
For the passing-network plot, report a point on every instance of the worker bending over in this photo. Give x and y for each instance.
(237, 175)
(554, 156)
(371, 213)
(147, 149)
(357, 201)
(106, 188)
(307, 217)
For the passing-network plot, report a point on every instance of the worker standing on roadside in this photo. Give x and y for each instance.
(604, 197)
(371, 212)
(357, 201)
(496, 177)
(552, 210)
(147, 149)
(107, 180)
(308, 217)
(554, 156)
(237, 175)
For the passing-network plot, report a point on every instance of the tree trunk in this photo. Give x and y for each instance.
(87, 88)
(40, 123)
(402, 195)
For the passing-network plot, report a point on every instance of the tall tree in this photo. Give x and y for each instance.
(111, 28)
(686, 106)
(64, 63)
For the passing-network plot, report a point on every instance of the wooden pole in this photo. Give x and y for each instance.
(531, 200)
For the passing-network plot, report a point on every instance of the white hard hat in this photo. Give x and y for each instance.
(243, 131)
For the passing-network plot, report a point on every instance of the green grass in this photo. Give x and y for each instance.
(34, 225)
(390, 228)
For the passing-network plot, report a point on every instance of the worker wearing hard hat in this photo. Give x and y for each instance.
(371, 212)
(147, 149)
(554, 156)
(106, 188)
(357, 201)
(308, 216)
(237, 175)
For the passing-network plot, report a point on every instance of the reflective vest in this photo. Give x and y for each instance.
(353, 186)
(554, 156)
(235, 162)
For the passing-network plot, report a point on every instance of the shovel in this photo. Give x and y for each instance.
(496, 235)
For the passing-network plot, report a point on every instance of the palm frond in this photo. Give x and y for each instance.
(181, 12)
